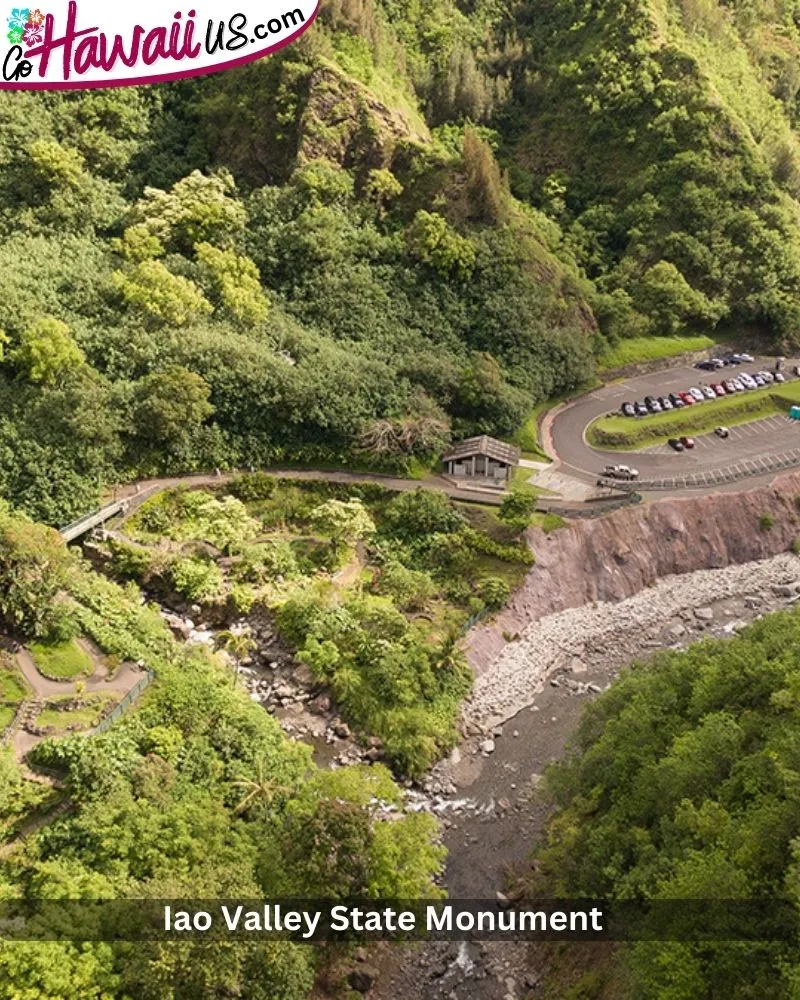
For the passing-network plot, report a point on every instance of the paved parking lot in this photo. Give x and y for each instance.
(765, 432)
(758, 448)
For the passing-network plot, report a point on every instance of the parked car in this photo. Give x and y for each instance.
(676, 400)
(722, 432)
(708, 392)
(779, 378)
(768, 377)
(688, 400)
(746, 358)
(641, 410)
(696, 395)
(759, 381)
(705, 366)
(719, 390)
(748, 381)
(675, 444)
(738, 385)
(717, 363)
(628, 410)
(729, 386)
(655, 406)
(687, 442)
(648, 400)
(665, 403)
(624, 472)
(732, 360)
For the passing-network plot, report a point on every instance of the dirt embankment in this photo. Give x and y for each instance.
(615, 557)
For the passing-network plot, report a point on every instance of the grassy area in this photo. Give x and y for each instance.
(629, 433)
(7, 713)
(12, 686)
(85, 717)
(636, 349)
(61, 661)
(527, 437)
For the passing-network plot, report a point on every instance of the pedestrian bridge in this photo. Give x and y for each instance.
(104, 514)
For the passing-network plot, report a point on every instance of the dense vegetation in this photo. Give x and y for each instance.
(195, 794)
(683, 784)
(372, 589)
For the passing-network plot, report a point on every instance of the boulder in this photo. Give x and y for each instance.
(487, 746)
(363, 978)
(704, 614)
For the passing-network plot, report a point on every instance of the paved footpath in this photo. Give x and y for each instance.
(42, 688)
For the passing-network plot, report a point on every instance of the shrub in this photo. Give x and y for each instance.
(253, 486)
(412, 589)
(517, 509)
(196, 579)
(422, 512)
(494, 592)
(765, 522)
(796, 546)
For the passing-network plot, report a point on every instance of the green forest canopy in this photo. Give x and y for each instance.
(683, 784)
(426, 217)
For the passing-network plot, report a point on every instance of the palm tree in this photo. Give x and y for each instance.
(238, 645)
(450, 655)
(260, 789)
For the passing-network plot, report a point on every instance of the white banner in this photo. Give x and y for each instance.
(91, 43)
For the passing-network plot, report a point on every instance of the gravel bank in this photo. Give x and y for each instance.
(561, 641)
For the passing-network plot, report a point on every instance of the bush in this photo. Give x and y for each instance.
(765, 522)
(517, 509)
(412, 589)
(196, 579)
(494, 592)
(253, 486)
(422, 512)
(796, 546)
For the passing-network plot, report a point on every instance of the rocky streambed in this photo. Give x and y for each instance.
(520, 719)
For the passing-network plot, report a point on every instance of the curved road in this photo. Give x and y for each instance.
(746, 447)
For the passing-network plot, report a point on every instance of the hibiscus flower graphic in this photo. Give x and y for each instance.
(18, 19)
(32, 34)
(36, 18)
(15, 35)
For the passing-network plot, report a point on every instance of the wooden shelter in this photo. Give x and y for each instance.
(482, 459)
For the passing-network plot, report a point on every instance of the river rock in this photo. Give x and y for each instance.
(487, 746)
(363, 978)
(704, 614)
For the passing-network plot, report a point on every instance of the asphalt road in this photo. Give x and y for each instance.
(747, 450)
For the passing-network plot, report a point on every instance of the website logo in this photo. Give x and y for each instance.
(91, 43)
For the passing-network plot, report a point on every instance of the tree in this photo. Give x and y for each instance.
(433, 241)
(238, 645)
(160, 296)
(47, 351)
(260, 790)
(196, 209)
(666, 297)
(344, 521)
(169, 406)
(35, 567)
(235, 283)
(422, 512)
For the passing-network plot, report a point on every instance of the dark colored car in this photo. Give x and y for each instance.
(675, 444)
(676, 400)
(687, 442)
(641, 410)
(706, 366)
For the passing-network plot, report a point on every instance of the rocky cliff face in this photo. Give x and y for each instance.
(344, 122)
(615, 557)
